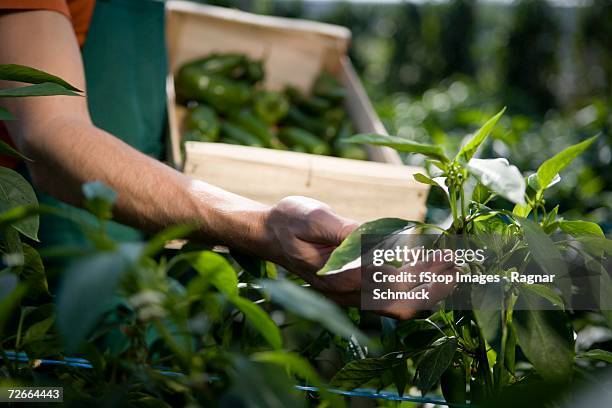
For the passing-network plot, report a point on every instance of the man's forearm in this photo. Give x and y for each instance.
(69, 152)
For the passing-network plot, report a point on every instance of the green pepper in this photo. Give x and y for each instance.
(277, 144)
(299, 149)
(234, 66)
(327, 86)
(205, 120)
(222, 94)
(293, 137)
(318, 127)
(229, 140)
(348, 150)
(313, 104)
(334, 116)
(196, 135)
(271, 106)
(255, 71)
(232, 132)
(252, 124)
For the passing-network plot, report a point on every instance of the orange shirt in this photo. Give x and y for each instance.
(78, 11)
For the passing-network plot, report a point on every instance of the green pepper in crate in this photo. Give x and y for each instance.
(232, 132)
(252, 124)
(294, 137)
(233, 66)
(348, 150)
(327, 86)
(196, 135)
(204, 120)
(315, 126)
(299, 149)
(271, 106)
(255, 71)
(222, 94)
(335, 116)
(312, 104)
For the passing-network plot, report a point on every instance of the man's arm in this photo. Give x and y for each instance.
(68, 150)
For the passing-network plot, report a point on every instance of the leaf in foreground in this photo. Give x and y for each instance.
(22, 73)
(44, 89)
(311, 306)
(86, 291)
(350, 249)
(15, 191)
(544, 337)
(434, 362)
(400, 144)
(359, 372)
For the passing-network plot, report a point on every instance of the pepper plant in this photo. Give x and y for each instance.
(476, 354)
(132, 324)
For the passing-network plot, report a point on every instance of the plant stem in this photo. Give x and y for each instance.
(19, 329)
(463, 214)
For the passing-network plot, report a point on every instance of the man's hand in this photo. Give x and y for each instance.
(301, 234)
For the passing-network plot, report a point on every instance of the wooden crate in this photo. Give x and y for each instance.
(295, 52)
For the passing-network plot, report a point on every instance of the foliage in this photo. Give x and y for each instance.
(190, 327)
(485, 346)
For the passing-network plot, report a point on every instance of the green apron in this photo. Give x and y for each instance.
(125, 67)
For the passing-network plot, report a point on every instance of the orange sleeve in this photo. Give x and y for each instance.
(78, 11)
(60, 6)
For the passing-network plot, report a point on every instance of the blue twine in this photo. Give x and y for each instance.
(359, 392)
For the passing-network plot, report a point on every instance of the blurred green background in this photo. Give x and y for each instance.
(436, 69)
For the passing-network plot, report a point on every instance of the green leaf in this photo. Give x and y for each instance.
(9, 150)
(87, 291)
(545, 253)
(400, 144)
(217, 271)
(500, 177)
(295, 364)
(576, 228)
(597, 354)
(21, 73)
(544, 337)
(15, 191)
(534, 183)
(595, 245)
(359, 372)
(292, 362)
(312, 306)
(38, 330)
(553, 166)
(350, 249)
(545, 292)
(260, 321)
(421, 178)
(467, 152)
(5, 115)
(32, 273)
(263, 385)
(487, 303)
(44, 89)
(435, 362)
(521, 210)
